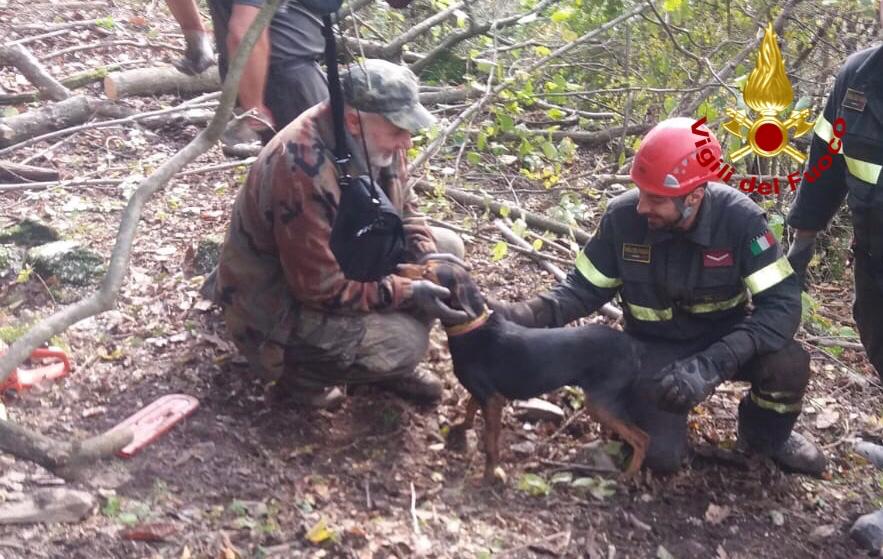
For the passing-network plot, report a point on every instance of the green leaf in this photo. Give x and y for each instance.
(519, 227)
(562, 14)
(128, 518)
(672, 5)
(537, 244)
(525, 148)
(549, 150)
(542, 51)
(105, 23)
(499, 251)
(836, 350)
(847, 332)
(481, 140)
(556, 113)
(112, 507)
(504, 211)
(474, 158)
(533, 485)
(802, 103)
(777, 226)
(505, 122)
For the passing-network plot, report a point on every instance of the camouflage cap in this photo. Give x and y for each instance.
(378, 86)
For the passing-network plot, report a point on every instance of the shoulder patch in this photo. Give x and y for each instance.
(762, 242)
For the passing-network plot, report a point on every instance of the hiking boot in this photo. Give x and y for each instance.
(418, 385)
(198, 54)
(800, 455)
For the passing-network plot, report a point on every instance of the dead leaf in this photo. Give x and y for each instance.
(715, 514)
(152, 532)
(827, 418)
(823, 531)
(185, 553)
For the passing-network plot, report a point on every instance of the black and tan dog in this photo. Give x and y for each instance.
(496, 360)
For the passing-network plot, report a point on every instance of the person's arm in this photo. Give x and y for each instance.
(595, 280)
(818, 200)
(254, 76)
(186, 14)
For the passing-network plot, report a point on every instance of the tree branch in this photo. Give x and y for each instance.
(34, 71)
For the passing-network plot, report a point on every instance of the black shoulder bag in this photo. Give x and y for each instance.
(367, 238)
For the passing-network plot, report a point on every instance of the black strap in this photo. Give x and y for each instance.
(342, 154)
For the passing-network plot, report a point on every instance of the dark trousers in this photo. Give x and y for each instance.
(867, 310)
(291, 88)
(766, 414)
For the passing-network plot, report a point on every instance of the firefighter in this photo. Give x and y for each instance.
(683, 254)
(849, 136)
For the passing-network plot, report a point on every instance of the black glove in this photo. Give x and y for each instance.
(427, 296)
(534, 313)
(444, 257)
(799, 255)
(687, 382)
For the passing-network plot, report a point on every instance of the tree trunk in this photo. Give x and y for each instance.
(158, 81)
(70, 112)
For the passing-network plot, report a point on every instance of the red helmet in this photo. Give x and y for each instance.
(666, 163)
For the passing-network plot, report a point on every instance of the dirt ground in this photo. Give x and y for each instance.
(248, 477)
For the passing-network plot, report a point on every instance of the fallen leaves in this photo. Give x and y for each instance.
(715, 514)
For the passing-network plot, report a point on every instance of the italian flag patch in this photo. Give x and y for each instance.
(762, 242)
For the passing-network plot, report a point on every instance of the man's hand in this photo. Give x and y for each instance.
(532, 314)
(428, 297)
(687, 382)
(800, 253)
(444, 257)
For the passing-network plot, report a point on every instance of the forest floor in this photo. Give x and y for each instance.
(247, 477)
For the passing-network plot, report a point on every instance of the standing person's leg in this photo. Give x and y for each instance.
(768, 413)
(198, 55)
(294, 88)
(867, 309)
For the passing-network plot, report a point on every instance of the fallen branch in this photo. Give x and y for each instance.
(11, 436)
(16, 172)
(158, 81)
(394, 47)
(582, 138)
(102, 124)
(34, 71)
(117, 43)
(489, 203)
(32, 124)
(529, 252)
(607, 310)
(474, 30)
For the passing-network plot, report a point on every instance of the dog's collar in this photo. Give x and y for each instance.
(466, 327)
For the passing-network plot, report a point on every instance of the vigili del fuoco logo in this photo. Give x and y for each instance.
(767, 93)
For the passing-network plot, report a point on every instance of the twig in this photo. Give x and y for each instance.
(102, 44)
(113, 182)
(25, 40)
(607, 310)
(527, 252)
(833, 342)
(395, 46)
(578, 467)
(415, 523)
(368, 504)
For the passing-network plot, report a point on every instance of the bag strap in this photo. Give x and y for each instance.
(342, 155)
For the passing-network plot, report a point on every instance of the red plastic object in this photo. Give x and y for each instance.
(22, 379)
(153, 421)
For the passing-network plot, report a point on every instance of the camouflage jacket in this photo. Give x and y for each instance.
(277, 256)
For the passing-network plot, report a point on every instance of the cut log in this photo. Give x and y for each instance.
(34, 71)
(158, 81)
(70, 112)
(18, 173)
